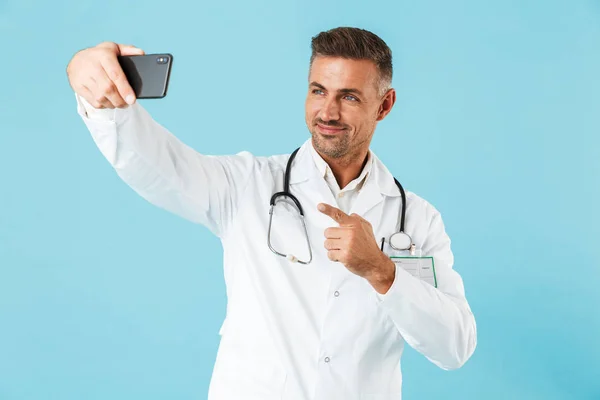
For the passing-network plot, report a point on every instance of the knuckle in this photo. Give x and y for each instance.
(117, 99)
(114, 75)
(104, 54)
(107, 45)
(96, 54)
(109, 89)
(106, 57)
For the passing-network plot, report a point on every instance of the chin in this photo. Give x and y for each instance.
(329, 146)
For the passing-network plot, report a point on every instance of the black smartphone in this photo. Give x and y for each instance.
(148, 75)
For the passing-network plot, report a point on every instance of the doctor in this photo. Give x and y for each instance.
(334, 327)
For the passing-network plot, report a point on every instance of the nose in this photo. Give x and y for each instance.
(330, 110)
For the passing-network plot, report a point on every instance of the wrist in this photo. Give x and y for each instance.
(384, 273)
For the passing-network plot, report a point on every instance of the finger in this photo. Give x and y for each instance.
(114, 72)
(109, 45)
(129, 50)
(87, 94)
(334, 255)
(335, 213)
(121, 49)
(356, 216)
(98, 95)
(333, 244)
(107, 88)
(333, 233)
(336, 232)
(100, 88)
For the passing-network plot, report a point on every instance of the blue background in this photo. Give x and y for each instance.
(103, 296)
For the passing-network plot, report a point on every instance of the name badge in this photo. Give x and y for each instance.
(420, 267)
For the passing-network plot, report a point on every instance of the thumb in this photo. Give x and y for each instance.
(129, 50)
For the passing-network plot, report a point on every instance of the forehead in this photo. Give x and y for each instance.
(338, 73)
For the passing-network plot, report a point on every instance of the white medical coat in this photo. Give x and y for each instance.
(292, 331)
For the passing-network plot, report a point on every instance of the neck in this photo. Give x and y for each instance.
(347, 168)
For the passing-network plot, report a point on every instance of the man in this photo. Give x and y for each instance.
(335, 327)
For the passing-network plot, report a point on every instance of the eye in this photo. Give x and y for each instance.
(350, 97)
(317, 91)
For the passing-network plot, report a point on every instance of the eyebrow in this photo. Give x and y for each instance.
(345, 90)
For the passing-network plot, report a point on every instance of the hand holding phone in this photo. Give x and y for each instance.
(96, 74)
(148, 75)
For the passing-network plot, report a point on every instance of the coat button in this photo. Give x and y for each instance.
(336, 293)
(327, 359)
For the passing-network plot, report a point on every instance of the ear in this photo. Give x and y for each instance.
(387, 102)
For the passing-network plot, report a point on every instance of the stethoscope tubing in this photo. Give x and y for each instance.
(286, 193)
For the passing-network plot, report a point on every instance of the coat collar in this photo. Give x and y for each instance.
(379, 181)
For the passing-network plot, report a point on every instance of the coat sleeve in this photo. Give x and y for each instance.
(437, 322)
(164, 171)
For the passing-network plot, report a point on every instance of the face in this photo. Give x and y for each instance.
(343, 105)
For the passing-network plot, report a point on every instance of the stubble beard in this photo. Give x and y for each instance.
(336, 147)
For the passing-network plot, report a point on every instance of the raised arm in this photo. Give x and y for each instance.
(151, 160)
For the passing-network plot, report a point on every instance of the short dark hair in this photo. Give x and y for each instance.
(355, 44)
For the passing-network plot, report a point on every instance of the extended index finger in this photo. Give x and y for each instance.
(335, 213)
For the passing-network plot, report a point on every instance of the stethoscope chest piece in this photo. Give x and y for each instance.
(400, 241)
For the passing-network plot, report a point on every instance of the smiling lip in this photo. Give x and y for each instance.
(329, 129)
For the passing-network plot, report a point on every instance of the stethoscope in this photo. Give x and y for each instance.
(398, 241)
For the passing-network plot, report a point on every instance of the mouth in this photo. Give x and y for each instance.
(329, 130)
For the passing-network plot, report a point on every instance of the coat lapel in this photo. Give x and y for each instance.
(305, 172)
(368, 197)
(305, 176)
